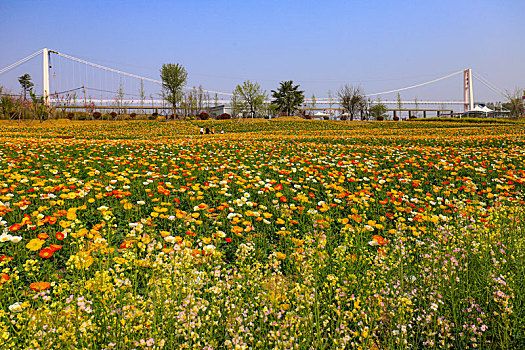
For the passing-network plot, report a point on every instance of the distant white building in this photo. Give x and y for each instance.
(220, 109)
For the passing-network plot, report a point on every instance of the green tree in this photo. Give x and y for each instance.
(378, 110)
(7, 105)
(26, 83)
(288, 97)
(249, 98)
(173, 77)
(352, 100)
(40, 110)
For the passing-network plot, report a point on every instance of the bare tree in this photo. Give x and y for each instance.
(119, 99)
(200, 99)
(312, 105)
(194, 101)
(514, 102)
(352, 100)
(142, 94)
(330, 103)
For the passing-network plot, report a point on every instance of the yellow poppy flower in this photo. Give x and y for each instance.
(35, 244)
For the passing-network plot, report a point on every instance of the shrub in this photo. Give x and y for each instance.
(97, 115)
(224, 116)
(468, 120)
(113, 114)
(203, 116)
(412, 117)
(133, 115)
(82, 115)
(380, 118)
(70, 115)
(396, 118)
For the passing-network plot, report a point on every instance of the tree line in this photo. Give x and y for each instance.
(248, 100)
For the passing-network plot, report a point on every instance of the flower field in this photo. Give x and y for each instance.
(276, 234)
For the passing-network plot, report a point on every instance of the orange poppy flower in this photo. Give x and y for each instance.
(43, 235)
(380, 240)
(126, 244)
(4, 278)
(60, 236)
(39, 286)
(46, 253)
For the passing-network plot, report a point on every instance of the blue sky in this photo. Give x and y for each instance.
(321, 45)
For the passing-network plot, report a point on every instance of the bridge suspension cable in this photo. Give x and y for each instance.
(128, 74)
(415, 86)
(23, 60)
(490, 85)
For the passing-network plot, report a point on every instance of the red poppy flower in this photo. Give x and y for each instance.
(4, 277)
(55, 247)
(60, 236)
(46, 253)
(228, 239)
(15, 227)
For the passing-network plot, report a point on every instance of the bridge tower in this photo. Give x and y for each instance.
(468, 92)
(45, 76)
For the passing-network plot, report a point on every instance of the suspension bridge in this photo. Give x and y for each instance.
(82, 82)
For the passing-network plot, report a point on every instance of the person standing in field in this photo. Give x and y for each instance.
(202, 131)
(207, 130)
